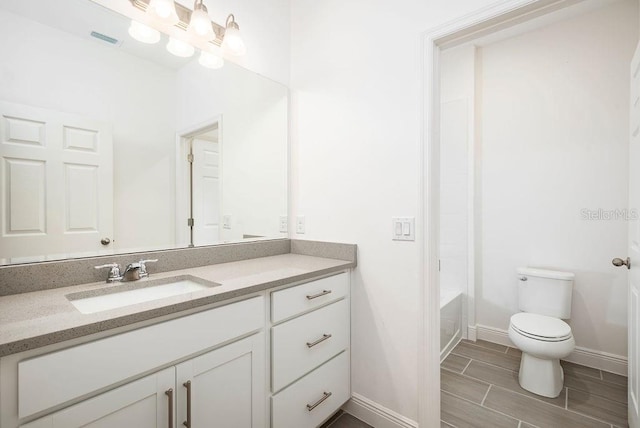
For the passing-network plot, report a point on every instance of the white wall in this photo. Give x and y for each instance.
(555, 142)
(457, 89)
(356, 155)
(48, 68)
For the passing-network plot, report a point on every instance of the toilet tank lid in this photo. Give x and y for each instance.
(544, 273)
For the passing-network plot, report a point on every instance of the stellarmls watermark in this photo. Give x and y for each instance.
(625, 214)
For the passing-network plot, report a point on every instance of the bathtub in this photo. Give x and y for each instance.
(450, 320)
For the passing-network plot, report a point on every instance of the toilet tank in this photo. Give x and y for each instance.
(545, 292)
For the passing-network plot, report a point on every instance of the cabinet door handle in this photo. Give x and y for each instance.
(322, 293)
(169, 393)
(187, 385)
(322, 339)
(325, 395)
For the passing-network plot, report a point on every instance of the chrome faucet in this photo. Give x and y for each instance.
(133, 271)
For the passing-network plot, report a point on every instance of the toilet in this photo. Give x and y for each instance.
(544, 299)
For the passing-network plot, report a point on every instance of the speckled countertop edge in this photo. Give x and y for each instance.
(33, 320)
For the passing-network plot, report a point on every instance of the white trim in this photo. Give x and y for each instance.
(583, 356)
(472, 333)
(376, 415)
(452, 344)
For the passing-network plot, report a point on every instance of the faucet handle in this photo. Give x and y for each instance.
(114, 271)
(143, 266)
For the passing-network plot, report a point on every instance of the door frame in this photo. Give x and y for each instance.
(467, 28)
(182, 172)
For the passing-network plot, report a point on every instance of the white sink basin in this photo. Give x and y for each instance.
(131, 293)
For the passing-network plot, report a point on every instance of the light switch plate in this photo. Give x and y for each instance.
(403, 228)
(300, 227)
(284, 224)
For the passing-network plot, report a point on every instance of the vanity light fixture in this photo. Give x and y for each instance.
(199, 30)
(200, 23)
(143, 33)
(164, 11)
(210, 60)
(232, 41)
(180, 48)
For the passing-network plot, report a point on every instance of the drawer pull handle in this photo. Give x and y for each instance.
(322, 339)
(322, 293)
(325, 395)
(169, 394)
(187, 385)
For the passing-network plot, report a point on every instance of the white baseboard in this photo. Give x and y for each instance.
(452, 344)
(584, 356)
(472, 333)
(376, 415)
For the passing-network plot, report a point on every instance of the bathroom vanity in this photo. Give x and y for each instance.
(267, 345)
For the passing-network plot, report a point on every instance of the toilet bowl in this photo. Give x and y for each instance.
(543, 340)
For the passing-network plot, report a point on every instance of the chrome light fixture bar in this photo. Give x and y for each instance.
(184, 16)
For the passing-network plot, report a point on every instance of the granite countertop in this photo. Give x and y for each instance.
(40, 318)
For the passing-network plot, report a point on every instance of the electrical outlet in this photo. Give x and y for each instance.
(300, 224)
(226, 221)
(284, 224)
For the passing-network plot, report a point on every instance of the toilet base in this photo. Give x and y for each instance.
(541, 376)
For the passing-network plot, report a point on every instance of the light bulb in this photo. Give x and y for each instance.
(164, 10)
(143, 33)
(210, 60)
(180, 48)
(232, 42)
(200, 23)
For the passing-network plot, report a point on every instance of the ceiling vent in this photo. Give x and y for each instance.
(105, 38)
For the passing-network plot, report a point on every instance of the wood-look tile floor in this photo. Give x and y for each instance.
(344, 420)
(479, 382)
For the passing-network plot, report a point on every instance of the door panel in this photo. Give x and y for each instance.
(206, 192)
(141, 404)
(227, 386)
(57, 182)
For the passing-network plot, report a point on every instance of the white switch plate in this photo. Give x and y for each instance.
(300, 224)
(403, 228)
(226, 221)
(284, 224)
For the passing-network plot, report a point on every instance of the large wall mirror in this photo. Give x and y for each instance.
(108, 145)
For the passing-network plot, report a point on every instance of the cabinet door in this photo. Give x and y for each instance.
(225, 387)
(141, 404)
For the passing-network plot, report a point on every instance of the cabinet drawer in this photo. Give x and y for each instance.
(295, 300)
(55, 378)
(291, 407)
(302, 344)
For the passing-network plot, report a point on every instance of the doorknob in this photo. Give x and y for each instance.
(105, 241)
(619, 262)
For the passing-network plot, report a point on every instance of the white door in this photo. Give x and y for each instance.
(57, 182)
(144, 403)
(206, 192)
(634, 245)
(226, 386)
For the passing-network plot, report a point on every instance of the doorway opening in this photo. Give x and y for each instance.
(199, 167)
(466, 183)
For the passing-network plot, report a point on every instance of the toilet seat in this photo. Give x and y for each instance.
(541, 327)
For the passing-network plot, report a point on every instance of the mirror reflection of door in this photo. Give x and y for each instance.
(57, 183)
(205, 187)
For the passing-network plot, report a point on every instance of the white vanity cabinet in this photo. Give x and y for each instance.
(224, 380)
(278, 359)
(310, 338)
(221, 386)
